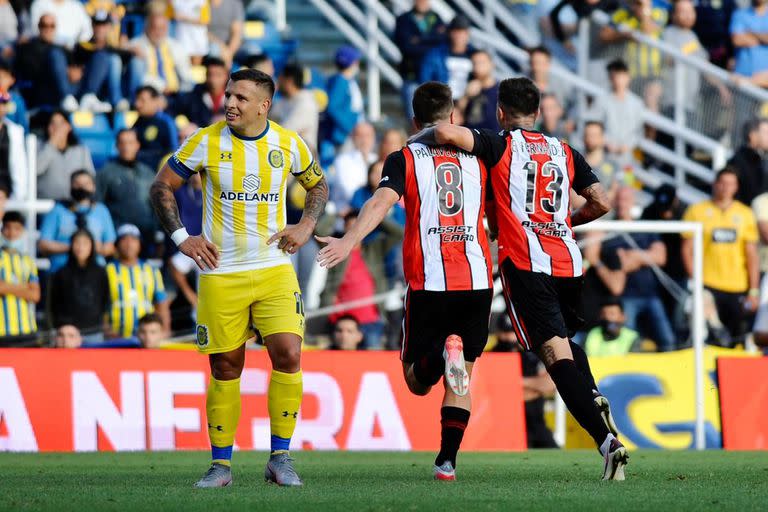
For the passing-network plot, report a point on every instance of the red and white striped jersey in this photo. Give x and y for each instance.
(445, 246)
(532, 176)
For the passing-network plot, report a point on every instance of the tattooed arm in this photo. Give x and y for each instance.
(596, 206)
(293, 237)
(204, 253)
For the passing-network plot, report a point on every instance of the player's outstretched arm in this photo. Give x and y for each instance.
(445, 133)
(373, 212)
(596, 206)
(204, 253)
(294, 236)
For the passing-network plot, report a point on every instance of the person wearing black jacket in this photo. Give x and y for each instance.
(582, 8)
(750, 161)
(79, 292)
(204, 104)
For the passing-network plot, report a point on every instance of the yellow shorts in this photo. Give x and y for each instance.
(229, 305)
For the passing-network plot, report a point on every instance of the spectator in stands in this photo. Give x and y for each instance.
(296, 108)
(189, 197)
(135, 287)
(16, 108)
(394, 223)
(19, 284)
(612, 337)
(123, 185)
(760, 209)
(540, 63)
(156, 130)
(13, 233)
(416, 33)
(621, 112)
(681, 36)
(68, 336)
(346, 334)
(4, 192)
(166, 61)
(596, 154)
(450, 63)
(9, 28)
(102, 78)
(30, 63)
(479, 104)
(345, 102)
(72, 21)
(225, 31)
(644, 61)
(751, 161)
(263, 62)
(184, 273)
(204, 104)
(58, 157)
(13, 153)
(192, 18)
(79, 291)
(552, 120)
(713, 18)
(638, 254)
(749, 27)
(392, 140)
(731, 266)
(151, 331)
(354, 280)
(81, 212)
(537, 385)
(350, 168)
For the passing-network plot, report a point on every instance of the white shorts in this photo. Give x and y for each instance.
(761, 318)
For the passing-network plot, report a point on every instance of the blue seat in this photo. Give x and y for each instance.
(95, 132)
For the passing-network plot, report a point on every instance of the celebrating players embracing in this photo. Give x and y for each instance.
(447, 264)
(244, 163)
(532, 176)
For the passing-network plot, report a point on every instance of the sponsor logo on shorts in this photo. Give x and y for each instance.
(202, 335)
(276, 158)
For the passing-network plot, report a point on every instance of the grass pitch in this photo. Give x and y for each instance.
(351, 482)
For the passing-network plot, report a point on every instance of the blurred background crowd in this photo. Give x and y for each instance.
(94, 96)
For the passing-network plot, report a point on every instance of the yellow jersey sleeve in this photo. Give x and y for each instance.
(304, 167)
(189, 158)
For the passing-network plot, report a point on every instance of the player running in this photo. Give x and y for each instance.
(244, 163)
(447, 265)
(532, 176)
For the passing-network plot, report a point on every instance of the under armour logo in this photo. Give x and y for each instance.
(226, 156)
(217, 427)
(286, 414)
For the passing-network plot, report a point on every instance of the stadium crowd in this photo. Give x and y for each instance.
(110, 89)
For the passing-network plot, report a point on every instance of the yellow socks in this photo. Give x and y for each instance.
(283, 401)
(223, 408)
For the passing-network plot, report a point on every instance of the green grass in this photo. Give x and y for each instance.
(351, 482)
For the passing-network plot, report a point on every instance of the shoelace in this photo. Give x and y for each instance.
(286, 462)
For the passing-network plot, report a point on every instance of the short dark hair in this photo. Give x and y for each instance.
(13, 216)
(617, 66)
(149, 90)
(254, 60)
(432, 102)
(210, 60)
(295, 73)
(728, 170)
(346, 317)
(752, 126)
(151, 318)
(519, 96)
(79, 173)
(260, 78)
(540, 49)
(121, 131)
(595, 122)
(5, 187)
(6, 66)
(612, 301)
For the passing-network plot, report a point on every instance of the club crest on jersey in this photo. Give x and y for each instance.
(276, 158)
(202, 335)
(251, 183)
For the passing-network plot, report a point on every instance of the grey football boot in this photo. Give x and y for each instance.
(280, 470)
(218, 475)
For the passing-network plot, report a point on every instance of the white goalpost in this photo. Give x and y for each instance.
(697, 310)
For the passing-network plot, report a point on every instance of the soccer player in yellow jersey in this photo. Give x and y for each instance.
(247, 279)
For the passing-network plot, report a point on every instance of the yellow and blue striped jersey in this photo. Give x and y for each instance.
(244, 189)
(133, 292)
(17, 315)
